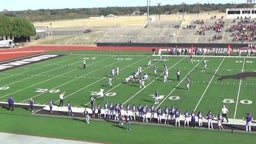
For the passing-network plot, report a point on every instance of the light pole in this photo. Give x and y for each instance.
(198, 9)
(148, 1)
(183, 4)
(158, 5)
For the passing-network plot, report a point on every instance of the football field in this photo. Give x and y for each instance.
(228, 81)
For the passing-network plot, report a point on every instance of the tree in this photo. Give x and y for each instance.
(19, 29)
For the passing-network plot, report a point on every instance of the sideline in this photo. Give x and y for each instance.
(11, 138)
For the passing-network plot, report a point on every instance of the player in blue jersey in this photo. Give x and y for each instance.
(159, 114)
(200, 119)
(193, 119)
(144, 113)
(166, 115)
(10, 103)
(106, 110)
(187, 118)
(99, 111)
(70, 113)
(31, 104)
(248, 126)
(220, 120)
(50, 106)
(210, 118)
(172, 115)
(152, 112)
(177, 117)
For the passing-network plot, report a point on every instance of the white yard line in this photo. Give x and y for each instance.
(127, 66)
(38, 82)
(82, 76)
(70, 80)
(202, 96)
(150, 83)
(179, 83)
(39, 67)
(238, 91)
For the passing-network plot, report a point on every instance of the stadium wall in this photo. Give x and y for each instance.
(185, 45)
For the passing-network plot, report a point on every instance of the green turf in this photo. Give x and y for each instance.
(46, 80)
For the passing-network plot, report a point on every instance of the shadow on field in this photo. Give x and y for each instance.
(5, 107)
(79, 120)
(146, 100)
(181, 88)
(119, 126)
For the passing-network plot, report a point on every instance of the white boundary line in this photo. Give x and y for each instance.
(209, 84)
(238, 91)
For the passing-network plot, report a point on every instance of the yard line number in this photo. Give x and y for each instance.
(121, 59)
(44, 90)
(230, 101)
(109, 94)
(170, 97)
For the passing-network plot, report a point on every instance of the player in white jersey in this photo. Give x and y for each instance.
(84, 63)
(188, 82)
(156, 97)
(113, 72)
(187, 118)
(117, 70)
(165, 75)
(110, 82)
(149, 63)
(178, 75)
(205, 64)
(145, 77)
(101, 93)
(155, 69)
(142, 82)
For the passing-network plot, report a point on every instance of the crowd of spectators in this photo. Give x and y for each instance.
(217, 26)
(243, 30)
